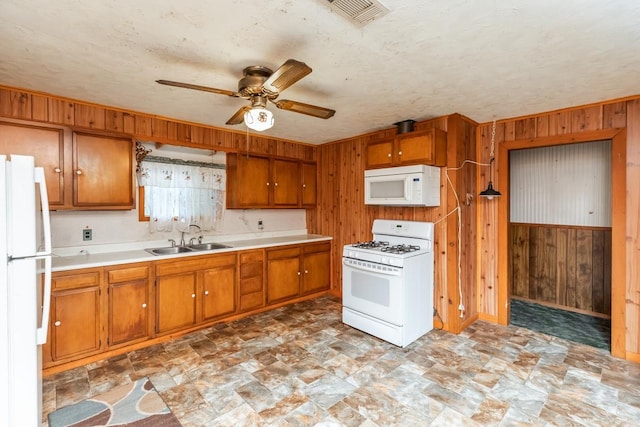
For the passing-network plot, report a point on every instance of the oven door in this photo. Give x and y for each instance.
(373, 289)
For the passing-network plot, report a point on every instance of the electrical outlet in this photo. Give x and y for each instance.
(87, 234)
(260, 225)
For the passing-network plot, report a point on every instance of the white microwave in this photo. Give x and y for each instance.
(417, 185)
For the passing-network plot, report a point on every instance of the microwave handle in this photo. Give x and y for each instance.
(407, 188)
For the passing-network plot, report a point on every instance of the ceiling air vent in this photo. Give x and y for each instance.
(360, 12)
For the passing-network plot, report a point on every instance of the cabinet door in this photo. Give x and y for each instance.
(283, 274)
(308, 174)
(286, 180)
(218, 291)
(424, 148)
(176, 301)
(316, 273)
(46, 145)
(379, 154)
(248, 183)
(102, 171)
(75, 323)
(128, 311)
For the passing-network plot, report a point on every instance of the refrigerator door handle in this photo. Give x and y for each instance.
(43, 329)
(46, 222)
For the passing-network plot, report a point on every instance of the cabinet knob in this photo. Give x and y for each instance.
(298, 273)
(206, 292)
(193, 295)
(304, 185)
(144, 305)
(399, 153)
(389, 155)
(276, 184)
(78, 172)
(57, 170)
(306, 272)
(57, 323)
(267, 184)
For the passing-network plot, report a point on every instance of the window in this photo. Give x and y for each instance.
(181, 193)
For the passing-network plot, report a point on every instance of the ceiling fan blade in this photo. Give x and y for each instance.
(308, 109)
(288, 73)
(197, 87)
(238, 117)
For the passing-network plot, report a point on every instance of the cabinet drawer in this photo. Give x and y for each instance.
(253, 269)
(253, 300)
(317, 247)
(253, 284)
(76, 280)
(128, 274)
(164, 268)
(254, 256)
(283, 253)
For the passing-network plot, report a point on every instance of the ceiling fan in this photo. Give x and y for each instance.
(259, 85)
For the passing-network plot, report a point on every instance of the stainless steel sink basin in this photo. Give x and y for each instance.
(207, 246)
(169, 251)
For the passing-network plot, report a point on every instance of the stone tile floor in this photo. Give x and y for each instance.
(300, 366)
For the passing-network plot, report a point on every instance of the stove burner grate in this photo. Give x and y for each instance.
(372, 244)
(400, 249)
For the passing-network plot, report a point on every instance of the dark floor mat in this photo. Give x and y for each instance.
(571, 326)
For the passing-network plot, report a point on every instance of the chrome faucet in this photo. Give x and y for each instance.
(182, 242)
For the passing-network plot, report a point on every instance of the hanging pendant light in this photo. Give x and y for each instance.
(490, 192)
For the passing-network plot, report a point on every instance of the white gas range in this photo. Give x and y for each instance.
(387, 283)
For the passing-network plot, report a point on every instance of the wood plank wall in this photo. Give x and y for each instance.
(342, 213)
(563, 126)
(44, 108)
(563, 265)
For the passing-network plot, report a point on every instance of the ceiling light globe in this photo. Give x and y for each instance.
(258, 119)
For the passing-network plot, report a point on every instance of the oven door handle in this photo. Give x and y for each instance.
(393, 272)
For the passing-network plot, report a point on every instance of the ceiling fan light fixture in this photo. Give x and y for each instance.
(259, 119)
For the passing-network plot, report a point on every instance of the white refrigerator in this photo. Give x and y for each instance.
(25, 288)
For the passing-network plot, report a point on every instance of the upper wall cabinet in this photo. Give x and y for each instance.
(427, 147)
(265, 182)
(84, 171)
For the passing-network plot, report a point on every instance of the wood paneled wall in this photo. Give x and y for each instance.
(342, 213)
(618, 120)
(562, 265)
(26, 105)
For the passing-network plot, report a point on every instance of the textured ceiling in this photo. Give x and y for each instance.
(424, 59)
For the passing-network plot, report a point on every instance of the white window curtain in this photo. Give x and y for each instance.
(182, 194)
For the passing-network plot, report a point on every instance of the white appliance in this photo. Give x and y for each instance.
(387, 283)
(25, 289)
(416, 185)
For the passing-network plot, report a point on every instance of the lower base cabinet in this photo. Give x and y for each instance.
(128, 290)
(116, 308)
(75, 316)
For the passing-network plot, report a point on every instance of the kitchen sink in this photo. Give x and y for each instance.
(169, 251)
(172, 250)
(207, 246)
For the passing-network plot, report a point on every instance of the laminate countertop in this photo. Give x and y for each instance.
(128, 255)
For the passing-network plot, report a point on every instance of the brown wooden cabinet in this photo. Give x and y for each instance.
(251, 283)
(129, 303)
(194, 290)
(84, 171)
(316, 275)
(309, 179)
(295, 271)
(75, 316)
(425, 147)
(218, 286)
(46, 145)
(265, 182)
(102, 171)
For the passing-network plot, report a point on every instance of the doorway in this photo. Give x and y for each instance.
(618, 224)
